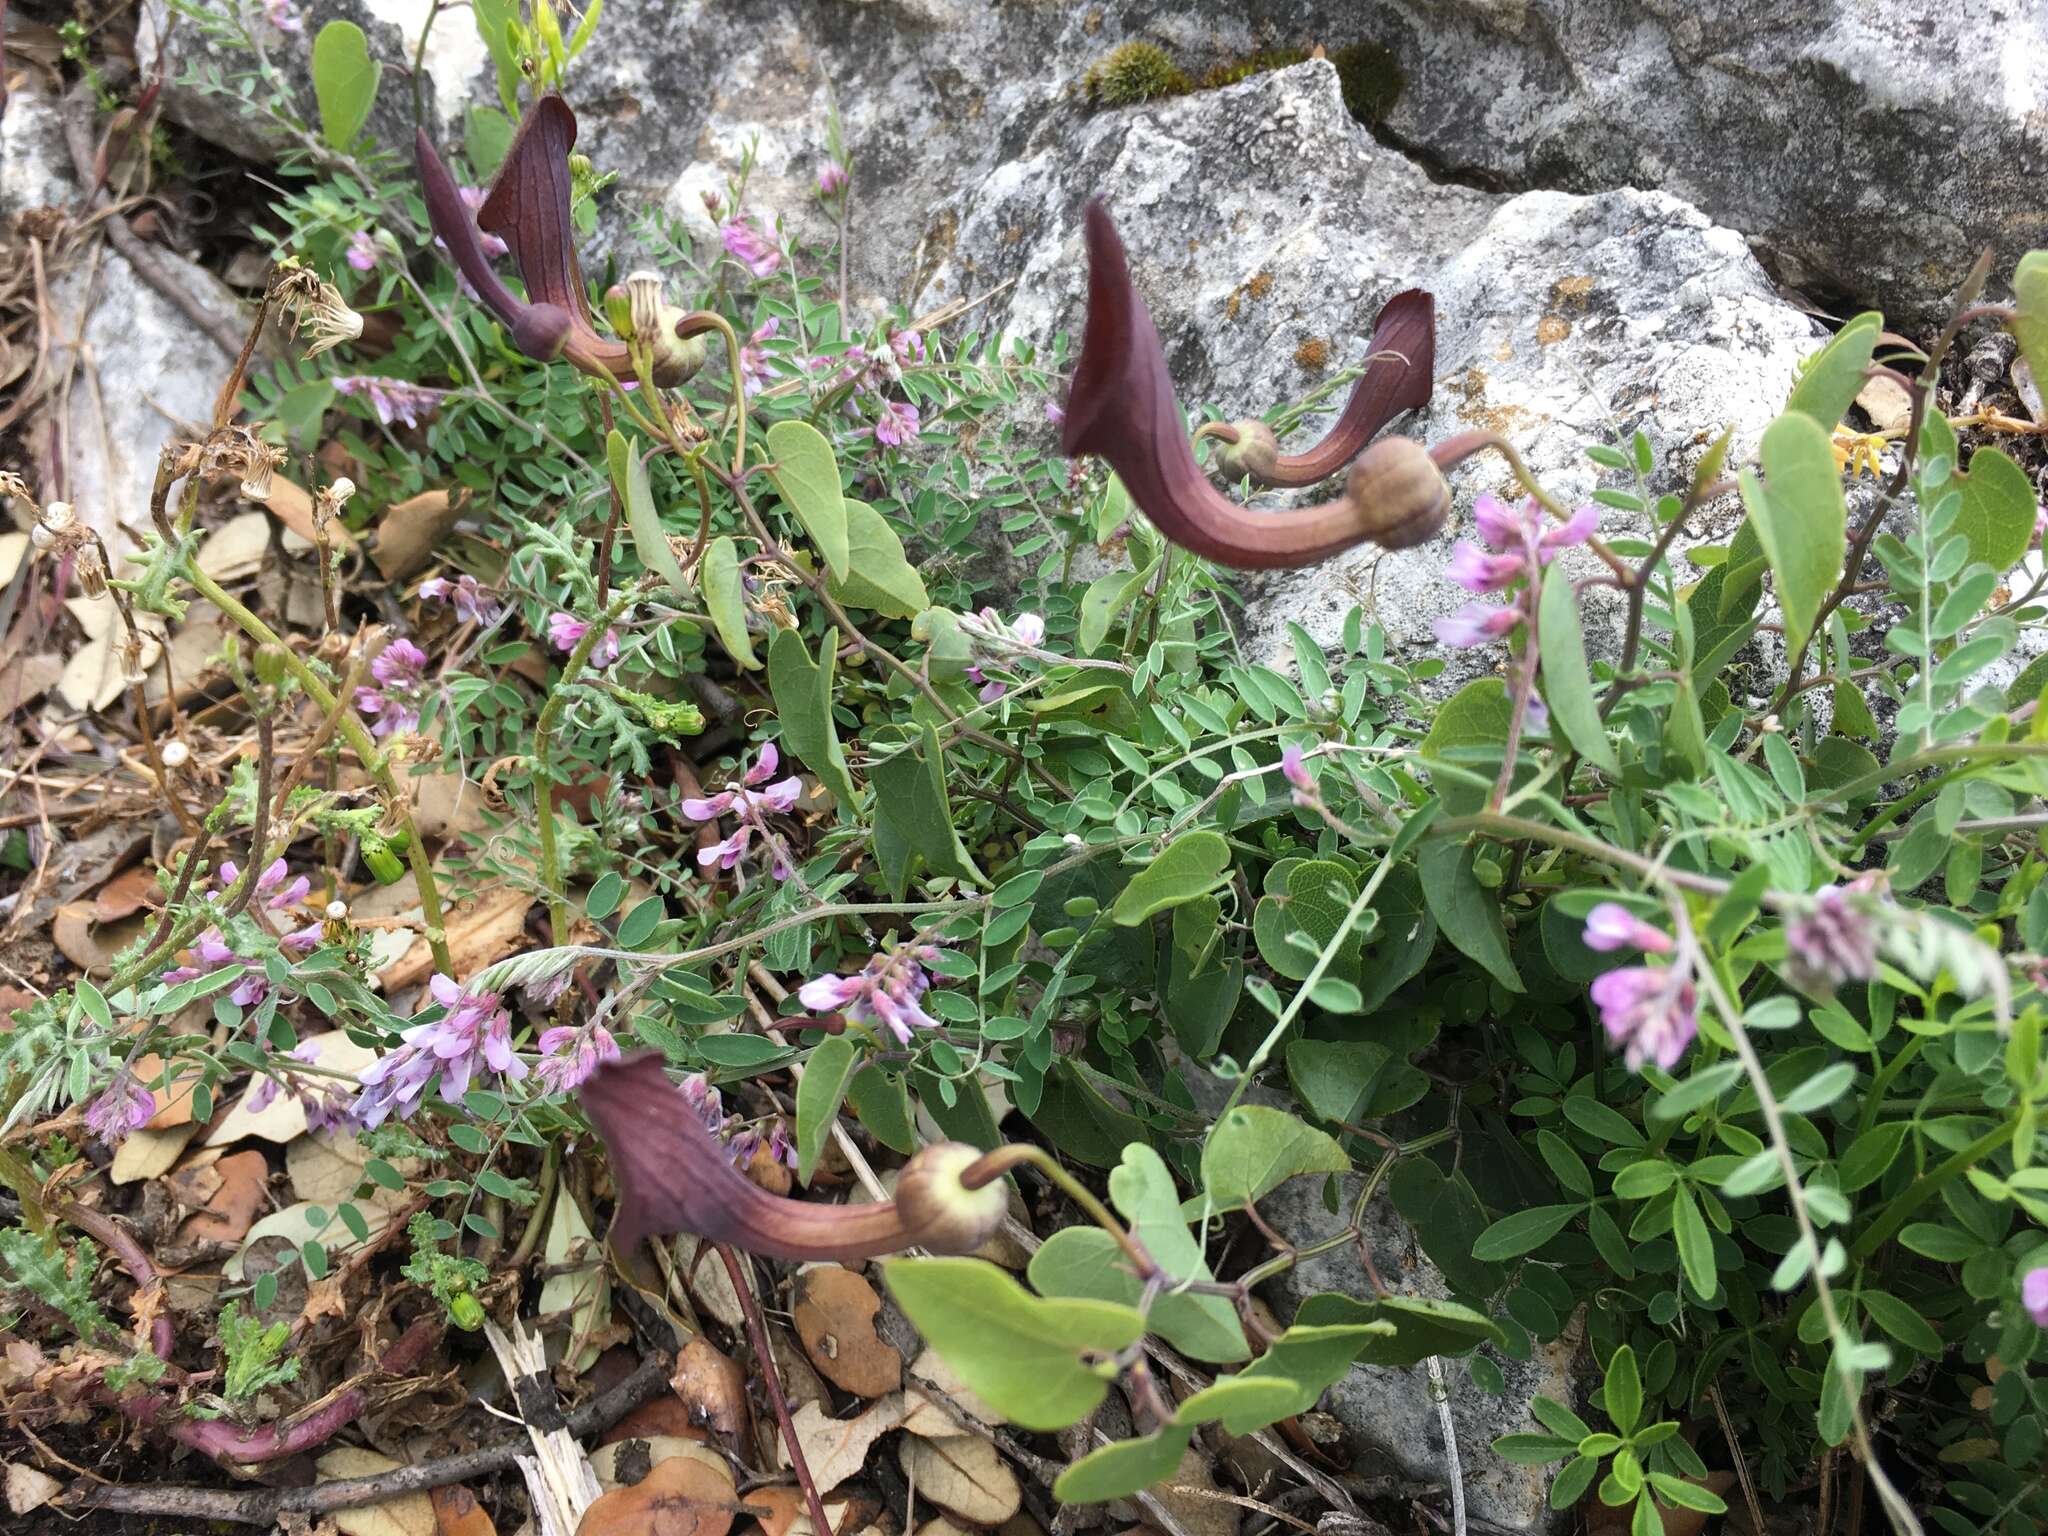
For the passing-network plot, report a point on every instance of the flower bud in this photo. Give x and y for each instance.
(618, 309)
(1397, 489)
(269, 665)
(382, 863)
(1254, 451)
(941, 1213)
(175, 754)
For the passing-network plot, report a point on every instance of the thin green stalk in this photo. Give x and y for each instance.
(1916, 1194)
(359, 740)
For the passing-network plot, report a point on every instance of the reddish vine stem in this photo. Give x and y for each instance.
(771, 1380)
(96, 1224)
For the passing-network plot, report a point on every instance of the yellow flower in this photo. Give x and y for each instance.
(1859, 452)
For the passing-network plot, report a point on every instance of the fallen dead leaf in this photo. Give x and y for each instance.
(457, 1513)
(679, 1497)
(29, 1489)
(2028, 388)
(147, 1154)
(241, 1183)
(709, 1285)
(769, 1171)
(836, 1449)
(667, 1416)
(188, 662)
(236, 548)
(290, 505)
(295, 1225)
(621, 1463)
(788, 1516)
(13, 550)
(927, 1416)
(409, 530)
(92, 676)
(940, 1527)
(1183, 1495)
(173, 1099)
(445, 805)
(324, 1167)
(124, 895)
(835, 1312)
(577, 1285)
(410, 1514)
(89, 944)
(801, 1382)
(1886, 403)
(483, 929)
(712, 1386)
(964, 1475)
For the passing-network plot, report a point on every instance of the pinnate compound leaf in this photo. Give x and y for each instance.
(1255, 1148)
(344, 82)
(1799, 516)
(1023, 1355)
(1192, 865)
(806, 474)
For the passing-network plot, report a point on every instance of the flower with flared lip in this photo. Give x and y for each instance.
(1611, 926)
(885, 991)
(124, 1108)
(1650, 1011)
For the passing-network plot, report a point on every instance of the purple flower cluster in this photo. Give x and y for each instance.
(570, 1053)
(752, 806)
(1650, 1011)
(473, 602)
(565, 630)
(279, 891)
(473, 1036)
(393, 706)
(2034, 1295)
(885, 991)
(1835, 940)
(362, 250)
(832, 179)
(754, 356)
(988, 625)
(1294, 769)
(746, 244)
(123, 1109)
(1519, 544)
(394, 400)
(741, 1140)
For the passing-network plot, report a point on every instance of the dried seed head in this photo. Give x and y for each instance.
(58, 517)
(90, 570)
(332, 498)
(318, 310)
(12, 485)
(175, 754)
(259, 470)
(129, 650)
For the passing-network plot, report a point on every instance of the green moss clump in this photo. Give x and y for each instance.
(1133, 73)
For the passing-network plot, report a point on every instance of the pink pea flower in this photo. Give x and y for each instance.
(752, 800)
(362, 250)
(568, 1055)
(393, 400)
(1476, 571)
(754, 356)
(124, 1108)
(284, 15)
(885, 991)
(897, 424)
(745, 244)
(782, 1145)
(1650, 1011)
(472, 1037)
(832, 179)
(1611, 926)
(1055, 412)
(2034, 1295)
(907, 345)
(1835, 940)
(1294, 769)
(393, 706)
(565, 630)
(1475, 624)
(494, 245)
(472, 601)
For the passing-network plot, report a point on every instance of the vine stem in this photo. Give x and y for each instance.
(358, 738)
(1722, 996)
(544, 768)
(757, 1335)
(991, 1166)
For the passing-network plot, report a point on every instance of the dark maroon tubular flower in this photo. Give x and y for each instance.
(1122, 408)
(1399, 376)
(673, 1176)
(528, 208)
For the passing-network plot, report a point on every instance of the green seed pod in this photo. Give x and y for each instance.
(384, 865)
(269, 667)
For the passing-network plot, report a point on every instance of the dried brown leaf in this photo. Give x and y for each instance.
(241, 1183)
(679, 1497)
(457, 1513)
(711, 1385)
(837, 1449)
(835, 1312)
(409, 530)
(409, 1514)
(964, 1475)
(483, 929)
